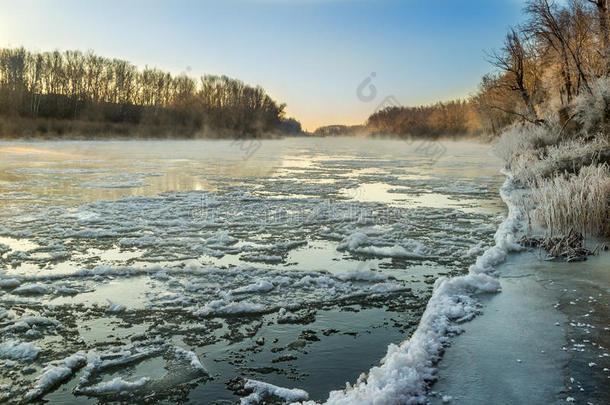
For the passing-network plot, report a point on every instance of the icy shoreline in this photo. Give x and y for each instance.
(408, 369)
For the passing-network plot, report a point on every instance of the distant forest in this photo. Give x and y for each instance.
(545, 64)
(341, 130)
(60, 93)
(455, 118)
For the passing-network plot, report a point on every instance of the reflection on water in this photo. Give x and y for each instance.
(91, 171)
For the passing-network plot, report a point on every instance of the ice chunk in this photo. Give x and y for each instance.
(191, 357)
(9, 283)
(53, 375)
(262, 258)
(115, 385)
(114, 306)
(362, 275)
(259, 286)
(353, 241)
(222, 307)
(17, 350)
(32, 289)
(262, 390)
(382, 288)
(394, 251)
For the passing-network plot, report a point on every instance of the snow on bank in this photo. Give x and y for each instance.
(407, 369)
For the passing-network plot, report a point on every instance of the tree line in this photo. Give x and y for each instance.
(85, 87)
(453, 117)
(340, 130)
(557, 54)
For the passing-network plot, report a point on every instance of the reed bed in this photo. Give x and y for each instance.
(577, 202)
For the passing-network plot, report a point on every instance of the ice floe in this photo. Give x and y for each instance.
(17, 350)
(261, 390)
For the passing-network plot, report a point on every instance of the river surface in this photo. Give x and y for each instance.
(165, 270)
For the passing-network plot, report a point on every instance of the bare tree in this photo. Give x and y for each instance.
(514, 60)
(545, 17)
(603, 17)
(77, 86)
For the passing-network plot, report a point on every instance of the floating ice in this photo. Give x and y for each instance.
(191, 357)
(262, 390)
(393, 251)
(9, 283)
(116, 385)
(54, 374)
(114, 306)
(17, 350)
(259, 286)
(407, 369)
(31, 289)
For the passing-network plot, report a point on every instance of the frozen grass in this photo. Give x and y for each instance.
(533, 166)
(569, 175)
(522, 139)
(575, 201)
(591, 109)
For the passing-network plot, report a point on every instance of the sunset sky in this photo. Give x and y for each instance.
(310, 54)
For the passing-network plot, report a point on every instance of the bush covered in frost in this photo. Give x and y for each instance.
(569, 176)
(524, 138)
(591, 110)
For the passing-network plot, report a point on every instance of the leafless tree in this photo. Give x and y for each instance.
(603, 17)
(515, 61)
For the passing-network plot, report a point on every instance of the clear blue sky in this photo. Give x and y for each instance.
(310, 54)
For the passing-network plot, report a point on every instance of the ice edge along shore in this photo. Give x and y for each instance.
(406, 371)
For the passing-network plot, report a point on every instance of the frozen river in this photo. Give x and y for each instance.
(166, 270)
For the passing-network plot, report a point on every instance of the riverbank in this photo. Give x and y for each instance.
(46, 129)
(543, 339)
